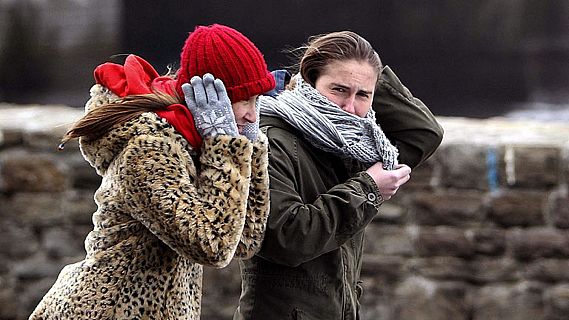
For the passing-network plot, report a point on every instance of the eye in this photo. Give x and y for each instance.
(339, 89)
(366, 94)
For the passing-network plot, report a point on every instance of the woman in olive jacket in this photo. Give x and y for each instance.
(330, 169)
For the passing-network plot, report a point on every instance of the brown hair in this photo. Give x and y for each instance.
(335, 46)
(98, 121)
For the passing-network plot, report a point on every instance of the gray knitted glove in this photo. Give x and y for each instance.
(208, 102)
(251, 130)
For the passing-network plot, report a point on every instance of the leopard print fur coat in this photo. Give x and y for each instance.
(160, 217)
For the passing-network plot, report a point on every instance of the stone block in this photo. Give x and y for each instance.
(453, 208)
(443, 241)
(392, 212)
(34, 209)
(518, 208)
(533, 243)
(2, 184)
(388, 240)
(491, 270)
(418, 298)
(10, 137)
(8, 299)
(380, 275)
(441, 268)
(464, 166)
(377, 298)
(5, 265)
(17, 241)
(520, 301)
(557, 302)
(426, 175)
(547, 270)
(49, 209)
(488, 241)
(559, 209)
(80, 174)
(565, 166)
(78, 207)
(24, 171)
(59, 242)
(44, 140)
(379, 272)
(31, 294)
(40, 266)
(532, 166)
(376, 308)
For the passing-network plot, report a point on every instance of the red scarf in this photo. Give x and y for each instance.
(137, 76)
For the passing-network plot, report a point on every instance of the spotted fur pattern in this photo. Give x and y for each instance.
(159, 219)
(258, 201)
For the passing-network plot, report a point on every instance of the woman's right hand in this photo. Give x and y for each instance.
(389, 181)
(209, 103)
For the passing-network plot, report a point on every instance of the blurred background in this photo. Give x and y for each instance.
(479, 233)
(477, 58)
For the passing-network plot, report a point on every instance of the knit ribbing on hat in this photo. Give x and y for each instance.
(228, 55)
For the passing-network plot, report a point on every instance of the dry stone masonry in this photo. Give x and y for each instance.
(480, 232)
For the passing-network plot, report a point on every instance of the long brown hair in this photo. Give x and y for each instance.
(98, 121)
(335, 46)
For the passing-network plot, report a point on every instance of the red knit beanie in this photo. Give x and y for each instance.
(228, 55)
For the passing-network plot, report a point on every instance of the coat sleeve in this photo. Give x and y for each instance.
(298, 232)
(258, 201)
(406, 121)
(202, 219)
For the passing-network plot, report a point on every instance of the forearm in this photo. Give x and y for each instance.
(257, 202)
(201, 219)
(406, 120)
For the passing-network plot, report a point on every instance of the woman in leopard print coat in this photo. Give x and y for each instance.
(168, 203)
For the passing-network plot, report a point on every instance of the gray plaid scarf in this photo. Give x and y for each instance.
(330, 128)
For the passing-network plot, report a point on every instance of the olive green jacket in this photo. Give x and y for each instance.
(310, 261)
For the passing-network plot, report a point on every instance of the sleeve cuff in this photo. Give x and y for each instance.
(373, 195)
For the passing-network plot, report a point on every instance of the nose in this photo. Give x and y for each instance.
(251, 114)
(348, 104)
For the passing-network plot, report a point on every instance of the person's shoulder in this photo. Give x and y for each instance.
(285, 140)
(277, 128)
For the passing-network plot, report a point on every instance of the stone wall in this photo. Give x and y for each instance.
(480, 232)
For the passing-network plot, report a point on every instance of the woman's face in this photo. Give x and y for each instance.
(350, 84)
(245, 112)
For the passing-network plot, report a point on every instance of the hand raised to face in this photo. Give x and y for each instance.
(209, 103)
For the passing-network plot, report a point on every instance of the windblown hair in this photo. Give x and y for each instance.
(98, 121)
(335, 46)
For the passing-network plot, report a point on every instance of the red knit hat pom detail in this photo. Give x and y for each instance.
(228, 55)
